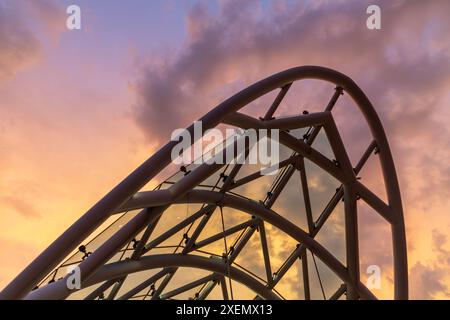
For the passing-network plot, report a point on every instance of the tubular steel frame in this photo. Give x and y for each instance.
(126, 196)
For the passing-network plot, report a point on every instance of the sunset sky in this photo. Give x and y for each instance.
(80, 109)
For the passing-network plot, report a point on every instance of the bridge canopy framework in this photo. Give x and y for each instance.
(212, 230)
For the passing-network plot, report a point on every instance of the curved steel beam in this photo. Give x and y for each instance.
(122, 268)
(145, 199)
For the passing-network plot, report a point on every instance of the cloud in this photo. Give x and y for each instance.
(429, 279)
(439, 241)
(243, 43)
(20, 48)
(19, 205)
(428, 282)
(21, 196)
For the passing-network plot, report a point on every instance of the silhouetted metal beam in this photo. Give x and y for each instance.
(223, 286)
(277, 101)
(121, 268)
(339, 292)
(258, 174)
(81, 229)
(144, 284)
(265, 250)
(305, 191)
(351, 241)
(255, 208)
(287, 264)
(207, 210)
(305, 274)
(102, 288)
(188, 286)
(227, 232)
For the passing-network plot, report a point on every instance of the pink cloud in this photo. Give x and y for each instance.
(21, 46)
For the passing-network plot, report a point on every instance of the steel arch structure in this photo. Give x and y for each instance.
(129, 245)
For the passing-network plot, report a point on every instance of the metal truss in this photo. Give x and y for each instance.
(130, 245)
